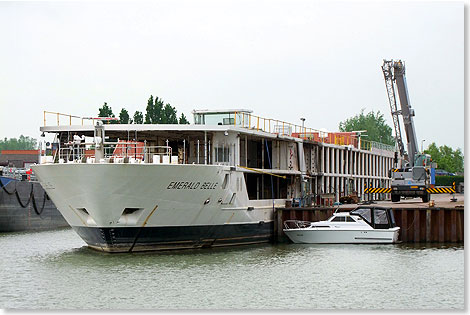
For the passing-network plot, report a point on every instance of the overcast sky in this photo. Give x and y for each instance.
(283, 59)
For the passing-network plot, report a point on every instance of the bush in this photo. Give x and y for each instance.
(448, 180)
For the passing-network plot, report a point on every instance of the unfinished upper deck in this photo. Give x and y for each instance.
(241, 121)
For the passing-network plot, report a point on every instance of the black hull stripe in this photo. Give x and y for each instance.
(122, 239)
(373, 238)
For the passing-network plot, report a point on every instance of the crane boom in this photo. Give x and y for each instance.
(394, 72)
(406, 111)
(387, 69)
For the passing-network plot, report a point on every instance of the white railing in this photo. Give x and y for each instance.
(296, 224)
(114, 152)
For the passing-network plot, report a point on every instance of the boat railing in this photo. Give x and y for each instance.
(296, 224)
(20, 174)
(60, 119)
(114, 152)
(253, 122)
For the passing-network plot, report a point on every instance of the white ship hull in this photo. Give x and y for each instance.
(130, 207)
(337, 236)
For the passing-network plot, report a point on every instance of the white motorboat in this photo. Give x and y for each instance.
(361, 225)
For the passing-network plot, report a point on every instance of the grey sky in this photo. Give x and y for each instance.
(282, 59)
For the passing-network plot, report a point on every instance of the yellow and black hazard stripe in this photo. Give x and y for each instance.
(371, 190)
(441, 190)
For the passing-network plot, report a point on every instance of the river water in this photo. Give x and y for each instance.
(55, 270)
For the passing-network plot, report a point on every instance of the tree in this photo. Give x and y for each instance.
(149, 114)
(154, 111)
(124, 117)
(169, 115)
(106, 111)
(22, 143)
(446, 158)
(183, 120)
(138, 117)
(374, 123)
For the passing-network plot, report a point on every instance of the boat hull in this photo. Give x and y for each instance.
(175, 237)
(132, 207)
(332, 236)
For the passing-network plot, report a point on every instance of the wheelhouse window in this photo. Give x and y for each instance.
(236, 117)
(338, 219)
(349, 219)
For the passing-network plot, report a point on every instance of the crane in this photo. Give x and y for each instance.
(412, 179)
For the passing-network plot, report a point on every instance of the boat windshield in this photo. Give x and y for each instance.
(364, 213)
(378, 218)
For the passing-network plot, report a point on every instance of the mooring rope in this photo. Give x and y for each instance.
(39, 212)
(31, 198)
(412, 222)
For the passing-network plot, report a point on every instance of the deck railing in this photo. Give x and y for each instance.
(67, 119)
(114, 152)
(247, 120)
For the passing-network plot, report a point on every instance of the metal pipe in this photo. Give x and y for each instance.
(145, 150)
(184, 151)
(198, 151)
(205, 147)
(39, 151)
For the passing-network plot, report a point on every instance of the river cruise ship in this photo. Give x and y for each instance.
(217, 182)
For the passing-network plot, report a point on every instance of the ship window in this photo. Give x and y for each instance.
(222, 154)
(349, 219)
(228, 121)
(338, 219)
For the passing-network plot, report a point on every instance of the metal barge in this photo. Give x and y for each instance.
(25, 206)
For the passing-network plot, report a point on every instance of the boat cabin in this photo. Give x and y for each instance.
(377, 217)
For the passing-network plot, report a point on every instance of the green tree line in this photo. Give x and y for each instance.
(378, 130)
(22, 143)
(156, 112)
(446, 158)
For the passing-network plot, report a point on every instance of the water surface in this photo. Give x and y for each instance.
(55, 270)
